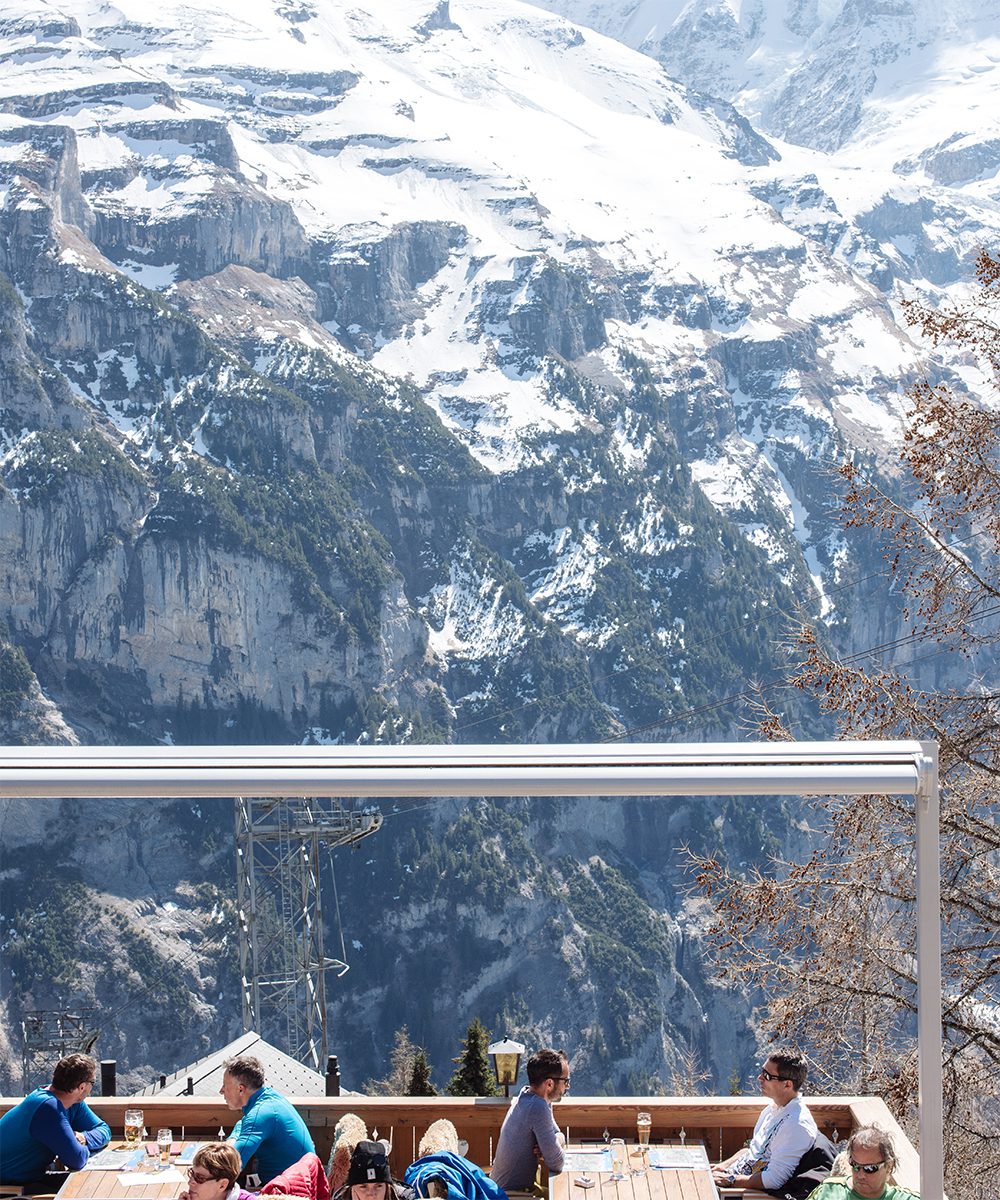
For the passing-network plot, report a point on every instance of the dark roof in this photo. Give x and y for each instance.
(280, 1071)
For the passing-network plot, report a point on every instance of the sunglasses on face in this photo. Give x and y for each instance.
(198, 1178)
(769, 1077)
(867, 1168)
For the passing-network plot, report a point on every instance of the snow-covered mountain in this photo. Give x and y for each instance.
(894, 84)
(415, 370)
(553, 242)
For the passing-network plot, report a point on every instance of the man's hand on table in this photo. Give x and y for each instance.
(81, 1138)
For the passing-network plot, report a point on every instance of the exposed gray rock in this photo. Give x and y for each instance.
(239, 223)
(369, 283)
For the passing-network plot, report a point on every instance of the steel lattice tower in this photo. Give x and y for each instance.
(48, 1031)
(281, 846)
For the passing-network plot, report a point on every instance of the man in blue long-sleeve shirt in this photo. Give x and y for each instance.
(270, 1129)
(53, 1122)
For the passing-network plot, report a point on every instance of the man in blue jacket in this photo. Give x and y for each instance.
(269, 1128)
(52, 1122)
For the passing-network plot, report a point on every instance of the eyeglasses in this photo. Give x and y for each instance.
(561, 1079)
(199, 1178)
(769, 1077)
(868, 1168)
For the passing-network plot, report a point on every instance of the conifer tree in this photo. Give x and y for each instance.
(420, 1076)
(473, 1073)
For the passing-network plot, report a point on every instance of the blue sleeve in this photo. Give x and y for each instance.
(50, 1126)
(83, 1119)
(246, 1140)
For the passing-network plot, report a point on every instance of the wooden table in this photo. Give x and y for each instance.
(98, 1184)
(654, 1184)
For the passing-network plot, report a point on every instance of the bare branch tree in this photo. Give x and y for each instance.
(831, 941)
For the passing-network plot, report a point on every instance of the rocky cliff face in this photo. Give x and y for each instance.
(359, 383)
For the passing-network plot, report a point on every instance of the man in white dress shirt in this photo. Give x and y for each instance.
(784, 1131)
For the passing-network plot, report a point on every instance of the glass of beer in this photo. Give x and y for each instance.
(643, 1124)
(133, 1126)
(164, 1140)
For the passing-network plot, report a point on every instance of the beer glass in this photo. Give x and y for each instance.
(133, 1126)
(643, 1123)
(617, 1158)
(164, 1140)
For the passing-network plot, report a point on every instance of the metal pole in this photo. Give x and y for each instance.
(929, 1036)
(332, 1076)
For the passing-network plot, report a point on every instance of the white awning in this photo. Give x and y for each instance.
(782, 768)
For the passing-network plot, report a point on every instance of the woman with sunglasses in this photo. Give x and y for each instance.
(216, 1167)
(213, 1174)
(871, 1158)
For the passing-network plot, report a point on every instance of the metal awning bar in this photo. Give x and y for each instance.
(900, 768)
(802, 768)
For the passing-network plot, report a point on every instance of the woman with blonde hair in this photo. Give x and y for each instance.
(214, 1174)
(216, 1167)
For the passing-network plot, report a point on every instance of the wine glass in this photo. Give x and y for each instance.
(617, 1159)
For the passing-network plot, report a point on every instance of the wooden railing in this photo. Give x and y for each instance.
(722, 1123)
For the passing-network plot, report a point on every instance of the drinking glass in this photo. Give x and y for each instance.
(643, 1123)
(617, 1158)
(133, 1126)
(164, 1140)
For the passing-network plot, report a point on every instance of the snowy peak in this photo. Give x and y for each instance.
(492, 353)
(822, 73)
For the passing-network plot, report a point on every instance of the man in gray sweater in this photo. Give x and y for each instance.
(529, 1131)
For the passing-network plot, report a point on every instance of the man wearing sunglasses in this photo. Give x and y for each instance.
(529, 1131)
(50, 1122)
(785, 1130)
(871, 1157)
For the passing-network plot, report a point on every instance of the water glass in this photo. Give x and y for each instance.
(617, 1158)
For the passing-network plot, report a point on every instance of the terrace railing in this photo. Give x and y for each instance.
(723, 1123)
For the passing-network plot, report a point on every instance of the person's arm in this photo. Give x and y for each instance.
(730, 1178)
(247, 1135)
(83, 1120)
(550, 1142)
(50, 1126)
(787, 1148)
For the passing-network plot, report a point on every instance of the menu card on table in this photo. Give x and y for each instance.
(157, 1176)
(597, 1159)
(678, 1157)
(115, 1160)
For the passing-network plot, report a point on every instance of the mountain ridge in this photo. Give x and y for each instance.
(425, 373)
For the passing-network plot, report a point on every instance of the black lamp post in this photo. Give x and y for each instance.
(506, 1057)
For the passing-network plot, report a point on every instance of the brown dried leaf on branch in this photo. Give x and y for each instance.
(831, 942)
